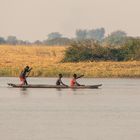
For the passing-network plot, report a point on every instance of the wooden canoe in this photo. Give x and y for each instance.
(53, 86)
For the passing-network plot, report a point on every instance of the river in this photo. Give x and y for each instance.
(109, 113)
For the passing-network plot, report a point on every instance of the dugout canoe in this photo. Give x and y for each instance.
(53, 86)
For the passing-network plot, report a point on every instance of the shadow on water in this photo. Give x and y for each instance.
(62, 92)
(59, 91)
(86, 92)
(24, 91)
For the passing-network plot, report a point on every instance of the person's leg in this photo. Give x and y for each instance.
(25, 82)
(22, 80)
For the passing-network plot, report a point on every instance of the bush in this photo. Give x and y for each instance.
(79, 51)
(88, 50)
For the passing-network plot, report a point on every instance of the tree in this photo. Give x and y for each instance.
(81, 34)
(37, 42)
(131, 48)
(57, 41)
(2, 40)
(116, 38)
(12, 40)
(54, 35)
(96, 34)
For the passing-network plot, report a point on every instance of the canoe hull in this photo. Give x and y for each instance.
(53, 86)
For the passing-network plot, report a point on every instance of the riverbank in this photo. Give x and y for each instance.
(46, 62)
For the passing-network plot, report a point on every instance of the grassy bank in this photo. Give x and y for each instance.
(46, 62)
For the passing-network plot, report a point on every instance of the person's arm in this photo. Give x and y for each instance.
(79, 76)
(30, 69)
(29, 72)
(63, 83)
(77, 84)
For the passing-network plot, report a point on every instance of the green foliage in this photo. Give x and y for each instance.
(96, 34)
(79, 51)
(12, 40)
(116, 38)
(131, 48)
(90, 51)
(2, 40)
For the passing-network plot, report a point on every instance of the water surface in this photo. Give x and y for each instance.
(109, 113)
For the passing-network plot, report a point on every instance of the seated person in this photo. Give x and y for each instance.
(74, 82)
(59, 81)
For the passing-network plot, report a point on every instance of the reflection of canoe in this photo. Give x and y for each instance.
(53, 86)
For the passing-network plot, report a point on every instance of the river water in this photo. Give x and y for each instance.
(109, 113)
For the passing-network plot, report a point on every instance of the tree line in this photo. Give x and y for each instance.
(56, 38)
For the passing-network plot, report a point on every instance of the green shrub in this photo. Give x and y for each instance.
(88, 50)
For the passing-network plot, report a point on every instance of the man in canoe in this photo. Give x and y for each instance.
(24, 74)
(59, 81)
(74, 82)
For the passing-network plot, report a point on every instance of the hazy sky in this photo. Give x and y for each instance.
(34, 19)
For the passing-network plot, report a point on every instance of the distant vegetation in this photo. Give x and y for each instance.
(56, 38)
(88, 45)
(89, 50)
(95, 34)
(46, 63)
(116, 38)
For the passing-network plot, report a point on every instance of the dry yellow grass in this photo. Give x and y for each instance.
(19, 56)
(46, 62)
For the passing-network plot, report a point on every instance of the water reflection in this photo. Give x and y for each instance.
(24, 91)
(59, 91)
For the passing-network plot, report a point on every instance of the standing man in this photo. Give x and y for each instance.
(24, 74)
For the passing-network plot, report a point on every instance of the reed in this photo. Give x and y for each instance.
(46, 62)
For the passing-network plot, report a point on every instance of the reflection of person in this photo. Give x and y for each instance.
(59, 81)
(24, 74)
(74, 82)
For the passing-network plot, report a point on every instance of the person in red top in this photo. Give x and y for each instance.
(74, 82)
(24, 74)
